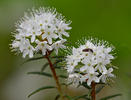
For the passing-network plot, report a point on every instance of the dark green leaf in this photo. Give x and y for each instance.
(62, 76)
(66, 84)
(57, 62)
(57, 97)
(99, 88)
(85, 85)
(40, 73)
(44, 66)
(112, 96)
(58, 57)
(40, 89)
(68, 97)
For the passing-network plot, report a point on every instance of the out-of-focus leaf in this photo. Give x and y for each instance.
(44, 66)
(58, 57)
(79, 97)
(33, 59)
(99, 88)
(66, 84)
(62, 76)
(57, 62)
(68, 97)
(57, 97)
(40, 89)
(45, 74)
(112, 96)
(40, 73)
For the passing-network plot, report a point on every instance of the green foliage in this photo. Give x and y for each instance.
(33, 59)
(85, 85)
(40, 73)
(57, 97)
(112, 96)
(45, 74)
(40, 89)
(99, 88)
(44, 67)
(69, 97)
(58, 61)
(81, 97)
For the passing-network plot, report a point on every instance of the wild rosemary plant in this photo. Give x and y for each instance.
(43, 32)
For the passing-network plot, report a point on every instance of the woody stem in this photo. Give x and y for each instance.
(55, 77)
(93, 92)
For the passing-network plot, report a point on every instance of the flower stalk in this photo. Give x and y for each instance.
(55, 76)
(93, 92)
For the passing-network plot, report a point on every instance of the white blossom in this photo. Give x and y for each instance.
(106, 75)
(59, 44)
(91, 62)
(45, 26)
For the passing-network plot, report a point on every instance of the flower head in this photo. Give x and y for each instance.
(40, 30)
(90, 62)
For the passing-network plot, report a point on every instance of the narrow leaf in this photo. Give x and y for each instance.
(62, 76)
(40, 89)
(57, 97)
(85, 85)
(57, 62)
(44, 66)
(112, 96)
(33, 59)
(66, 84)
(99, 88)
(79, 97)
(58, 57)
(40, 73)
(69, 97)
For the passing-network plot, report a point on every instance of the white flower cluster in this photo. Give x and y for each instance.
(90, 62)
(40, 31)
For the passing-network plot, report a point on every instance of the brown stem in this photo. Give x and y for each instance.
(55, 77)
(93, 92)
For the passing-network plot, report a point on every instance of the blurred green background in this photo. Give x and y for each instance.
(106, 19)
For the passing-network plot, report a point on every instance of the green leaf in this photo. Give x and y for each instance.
(57, 62)
(58, 57)
(40, 89)
(62, 76)
(66, 84)
(57, 97)
(40, 73)
(33, 59)
(79, 97)
(44, 66)
(68, 97)
(99, 88)
(112, 96)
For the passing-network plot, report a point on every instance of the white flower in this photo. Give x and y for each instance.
(42, 46)
(90, 61)
(49, 34)
(61, 29)
(41, 25)
(58, 44)
(71, 65)
(74, 78)
(106, 75)
(28, 49)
